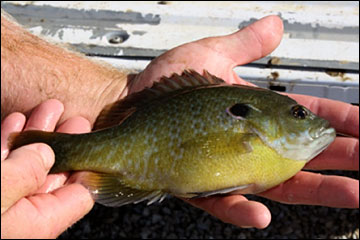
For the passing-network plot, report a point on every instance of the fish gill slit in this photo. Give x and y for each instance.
(173, 164)
(145, 165)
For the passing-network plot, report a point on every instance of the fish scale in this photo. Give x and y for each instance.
(190, 136)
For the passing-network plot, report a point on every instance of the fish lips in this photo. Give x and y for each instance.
(323, 139)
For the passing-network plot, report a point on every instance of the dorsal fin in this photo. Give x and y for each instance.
(115, 113)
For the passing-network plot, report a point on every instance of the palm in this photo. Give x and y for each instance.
(192, 55)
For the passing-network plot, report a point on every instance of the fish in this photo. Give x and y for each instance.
(190, 135)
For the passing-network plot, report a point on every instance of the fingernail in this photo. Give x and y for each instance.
(47, 155)
(4, 154)
(246, 227)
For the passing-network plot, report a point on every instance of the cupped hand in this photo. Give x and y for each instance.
(33, 203)
(219, 55)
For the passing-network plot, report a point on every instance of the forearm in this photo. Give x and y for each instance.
(33, 70)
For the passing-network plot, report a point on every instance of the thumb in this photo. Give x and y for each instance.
(24, 171)
(250, 43)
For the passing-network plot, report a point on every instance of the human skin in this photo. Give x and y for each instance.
(34, 70)
(87, 89)
(33, 203)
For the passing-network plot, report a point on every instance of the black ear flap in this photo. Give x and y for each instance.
(238, 110)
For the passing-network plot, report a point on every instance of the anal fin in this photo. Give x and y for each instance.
(233, 190)
(111, 191)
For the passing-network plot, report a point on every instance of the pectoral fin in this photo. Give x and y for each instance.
(215, 145)
(110, 190)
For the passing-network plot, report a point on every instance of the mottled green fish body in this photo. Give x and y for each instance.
(189, 136)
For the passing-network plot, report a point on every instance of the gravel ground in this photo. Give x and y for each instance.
(174, 218)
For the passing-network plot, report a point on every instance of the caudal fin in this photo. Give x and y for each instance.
(19, 139)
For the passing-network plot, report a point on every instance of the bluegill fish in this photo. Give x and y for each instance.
(189, 136)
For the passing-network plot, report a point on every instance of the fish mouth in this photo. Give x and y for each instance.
(308, 145)
(304, 146)
(320, 129)
(322, 140)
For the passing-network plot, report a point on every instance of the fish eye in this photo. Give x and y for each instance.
(238, 110)
(299, 112)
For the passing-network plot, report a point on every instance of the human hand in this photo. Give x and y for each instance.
(219, 55)
(34, 204)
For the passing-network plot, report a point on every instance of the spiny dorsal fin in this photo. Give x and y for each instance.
(191, 78)
(117, 112)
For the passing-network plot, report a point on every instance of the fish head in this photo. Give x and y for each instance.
(304, 134)
(292, 130)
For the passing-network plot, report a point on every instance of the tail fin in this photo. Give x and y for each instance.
(19, 139)
(59, 142)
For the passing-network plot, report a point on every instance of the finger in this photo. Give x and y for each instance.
(57, 211)
(342, 154)
(75, 125)
(342, 116)
(316, 189)
(72, 125)
(12, 123)
(45, 116)
(235, 209)
(254, 41)
(53, 181)
(24, 172)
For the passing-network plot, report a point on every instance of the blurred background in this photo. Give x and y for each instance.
(319, 56)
